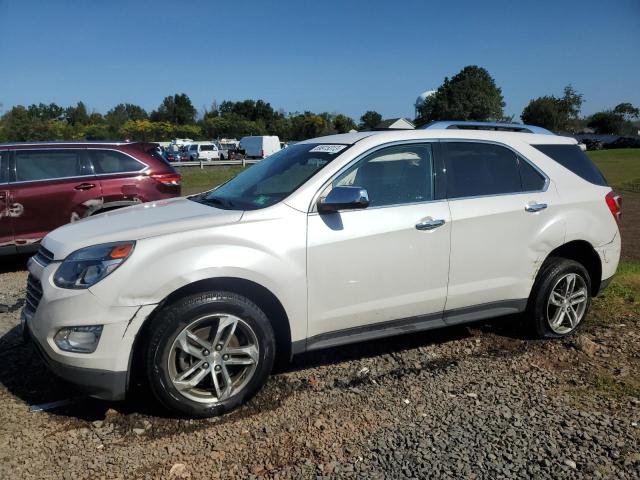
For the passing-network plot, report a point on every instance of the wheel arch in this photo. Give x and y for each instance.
(582, 252)
(260, 295)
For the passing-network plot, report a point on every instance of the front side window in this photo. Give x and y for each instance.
(393, 175)
(476, 169)
(272, 179)
(112, 161)
(33, 165)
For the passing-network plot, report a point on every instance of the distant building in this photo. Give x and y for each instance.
(395, 123)
(420, 100)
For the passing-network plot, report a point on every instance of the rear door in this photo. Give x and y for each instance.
(502, 225)
(6, 225)
(118, 176)
(49, 188)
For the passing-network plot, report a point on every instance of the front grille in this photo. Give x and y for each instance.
(34, 294)
(44, 257)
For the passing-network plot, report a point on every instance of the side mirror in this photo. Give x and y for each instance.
(344, 198)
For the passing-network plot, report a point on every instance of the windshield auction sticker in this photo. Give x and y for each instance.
(333, 149)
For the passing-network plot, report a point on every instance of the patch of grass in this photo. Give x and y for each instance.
(620, 166)
(621, 300)
(609, 385)
(195, 180)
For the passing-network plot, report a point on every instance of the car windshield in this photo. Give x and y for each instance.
(273, 178)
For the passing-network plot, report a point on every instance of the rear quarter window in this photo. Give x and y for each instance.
(574, 159)
(112, 161)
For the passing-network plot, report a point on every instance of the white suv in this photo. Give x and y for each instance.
(331, 241)
(204, 151)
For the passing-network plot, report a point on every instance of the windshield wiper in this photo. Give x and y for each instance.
(224, 203)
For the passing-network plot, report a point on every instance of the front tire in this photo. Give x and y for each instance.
(208, 353)
(560, 298)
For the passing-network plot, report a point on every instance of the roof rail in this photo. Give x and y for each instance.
(69, 142)
(498, 126)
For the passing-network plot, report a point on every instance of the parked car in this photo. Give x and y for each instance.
(330, 241)
(202, 151)
(45, 185)
(260, 146)
(172, 155)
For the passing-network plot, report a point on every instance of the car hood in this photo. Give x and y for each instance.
(137, 222)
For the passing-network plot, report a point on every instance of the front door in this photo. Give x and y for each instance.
(386, 262)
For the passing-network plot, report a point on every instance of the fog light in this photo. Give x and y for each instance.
(78, 339)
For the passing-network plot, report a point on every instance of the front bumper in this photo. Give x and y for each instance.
(104, 384)
(103, 373)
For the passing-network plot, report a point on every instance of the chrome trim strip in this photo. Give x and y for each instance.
(99, 175)
(313, 207)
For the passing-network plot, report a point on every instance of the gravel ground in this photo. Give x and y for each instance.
(480, 402)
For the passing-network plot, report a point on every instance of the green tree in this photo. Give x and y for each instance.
(627, 111)
(138, 130)
(553, 113)
(471, 94)
(609, 123)
(343, 124)
(77, 115)
(121, 113)
(46, 112)
(369, 120)
(309, 125)
(176, 109)
(543, 112)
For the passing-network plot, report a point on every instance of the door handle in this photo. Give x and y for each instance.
(429, 224)
(85, 186)
(15, 210)
(535, 207)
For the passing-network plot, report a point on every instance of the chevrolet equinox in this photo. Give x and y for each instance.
(333, 240)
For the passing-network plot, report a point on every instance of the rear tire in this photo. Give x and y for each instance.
(560, 298)
(208, 353)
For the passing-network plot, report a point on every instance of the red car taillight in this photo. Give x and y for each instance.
(173, 179)
(614, 202)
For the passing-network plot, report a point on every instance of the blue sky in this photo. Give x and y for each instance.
(348, 56)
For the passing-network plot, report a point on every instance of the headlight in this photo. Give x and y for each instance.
(87, 266)
(78, 339)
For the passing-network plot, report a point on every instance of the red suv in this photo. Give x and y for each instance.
(45, 185)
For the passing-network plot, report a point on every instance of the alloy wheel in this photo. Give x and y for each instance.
(567, 303)
(213, 358)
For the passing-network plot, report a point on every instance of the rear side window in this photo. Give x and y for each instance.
(476, 169)
(574, 159)
(51, 164)
(112, 161)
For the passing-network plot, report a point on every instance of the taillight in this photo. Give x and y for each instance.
(614, 202)
(172, 179)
